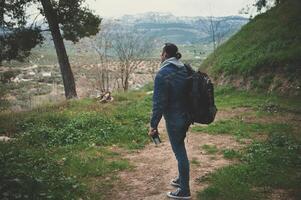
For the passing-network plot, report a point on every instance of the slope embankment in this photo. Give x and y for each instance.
(264, 54)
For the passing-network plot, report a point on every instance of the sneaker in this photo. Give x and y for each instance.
(178, 194)
(175, 182)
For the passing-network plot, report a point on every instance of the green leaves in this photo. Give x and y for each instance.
(19, 34)
(17, 43)
(77, 21)
(27, 173)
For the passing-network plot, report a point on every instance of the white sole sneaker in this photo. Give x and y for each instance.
(176, 197)
(174, 184)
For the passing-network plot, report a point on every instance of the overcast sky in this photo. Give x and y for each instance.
(115, 8)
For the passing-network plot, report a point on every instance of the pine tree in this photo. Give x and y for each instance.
(67, 19)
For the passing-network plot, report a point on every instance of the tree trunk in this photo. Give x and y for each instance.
(68, 79)
(212, 27)
(126, 83)
(126, 77)
(2, 5)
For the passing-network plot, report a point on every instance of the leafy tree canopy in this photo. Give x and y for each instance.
(260, 4)
(19, 32)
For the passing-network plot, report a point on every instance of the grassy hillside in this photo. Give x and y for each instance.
(271, 42)
(70, 150)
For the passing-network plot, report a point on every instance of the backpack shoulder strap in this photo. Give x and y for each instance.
(189, 69)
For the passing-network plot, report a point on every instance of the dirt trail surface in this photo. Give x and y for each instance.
(154, 167)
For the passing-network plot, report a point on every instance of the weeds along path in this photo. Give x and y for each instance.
(154, 167)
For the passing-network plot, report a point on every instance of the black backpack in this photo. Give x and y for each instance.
(202, 108)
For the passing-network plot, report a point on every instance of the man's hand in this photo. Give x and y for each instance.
(152, 131)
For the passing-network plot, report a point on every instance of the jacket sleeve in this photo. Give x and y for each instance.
(160, 99)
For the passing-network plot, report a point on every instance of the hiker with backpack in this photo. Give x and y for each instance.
(183, 96)
(170, 100)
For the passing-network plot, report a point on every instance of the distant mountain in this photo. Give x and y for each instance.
(181, 30)
(162, 27)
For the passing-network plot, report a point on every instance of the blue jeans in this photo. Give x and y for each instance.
(177, 127)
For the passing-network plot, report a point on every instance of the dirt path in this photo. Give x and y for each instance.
(155, 166)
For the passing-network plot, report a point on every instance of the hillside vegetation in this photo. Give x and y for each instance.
(268, 167)
(269, 44)
(66, 151)
(76, 149)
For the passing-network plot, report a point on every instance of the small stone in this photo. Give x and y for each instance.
(5, 139)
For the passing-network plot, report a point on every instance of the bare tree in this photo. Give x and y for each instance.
(216, 28)
(223, 30)
(153, 67)
(102, 44)
(131, 48)
(208, 26)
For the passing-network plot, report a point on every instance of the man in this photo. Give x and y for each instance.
(170, 100)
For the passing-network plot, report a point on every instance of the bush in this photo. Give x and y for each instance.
(4, 104)
(32, 174)
(5, 77)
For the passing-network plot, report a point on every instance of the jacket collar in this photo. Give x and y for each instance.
(173, 61)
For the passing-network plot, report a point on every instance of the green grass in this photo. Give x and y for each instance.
(241, 129)
(268, 42)
(195, 161)
(62, 151)
(210, 149)
(89, 161)
(265, 165)
(231, 154)
(85, 121)
(229, 97)
(258, 105)
(28, 173)
(268, 165)
(4, 103)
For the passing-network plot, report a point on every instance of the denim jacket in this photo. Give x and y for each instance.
(170, 93)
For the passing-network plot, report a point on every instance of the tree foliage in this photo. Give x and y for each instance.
(17, 44)
(260, 4)
(19, 32)
(76, 21)
(16, 39)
